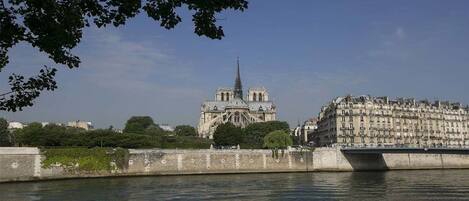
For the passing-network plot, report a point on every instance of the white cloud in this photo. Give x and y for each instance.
(115, 63)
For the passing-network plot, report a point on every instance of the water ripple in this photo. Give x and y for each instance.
(392, 185)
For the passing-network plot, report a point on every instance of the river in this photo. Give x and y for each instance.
(390, 185)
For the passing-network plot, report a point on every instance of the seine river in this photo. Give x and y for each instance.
(392, 185)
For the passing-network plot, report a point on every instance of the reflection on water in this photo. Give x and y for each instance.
(392, 185)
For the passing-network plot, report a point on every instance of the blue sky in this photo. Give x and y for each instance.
(305, 52)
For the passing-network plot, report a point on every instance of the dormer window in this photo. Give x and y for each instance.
(215, 108)
(261, 109)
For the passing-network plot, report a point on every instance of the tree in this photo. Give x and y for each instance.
(55, 27)
(30, 135)
(228, 135)
(138, 124)
(254, 133)
(5, 136)
(276, 140)
(185, 130)
(155, 131)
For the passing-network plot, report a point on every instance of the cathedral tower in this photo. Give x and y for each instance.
(238, 88)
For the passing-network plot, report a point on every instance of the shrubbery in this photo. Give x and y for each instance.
(60, 136)
(250, 137)
(277, 140)
(146, 134)
(84, 159)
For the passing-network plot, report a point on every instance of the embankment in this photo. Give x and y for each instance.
(25, 164)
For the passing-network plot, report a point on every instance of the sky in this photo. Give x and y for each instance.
(304, 52)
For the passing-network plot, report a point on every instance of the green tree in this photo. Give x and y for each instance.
(185, 130)
(277, 140)
(155, 130)
(55, 27)
(53, 135)
(254, 133)
(138, 124)
(30, 135)
(228, 135)
(5, 136)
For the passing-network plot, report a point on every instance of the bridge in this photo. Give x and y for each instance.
(405, 150)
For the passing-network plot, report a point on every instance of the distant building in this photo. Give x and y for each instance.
(231, 106)
(378, 121)
(81, 124)
(15, 125)
(166, 127)
(305, 131)
(52, 123)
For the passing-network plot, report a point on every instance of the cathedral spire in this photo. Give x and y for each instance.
(238, 88)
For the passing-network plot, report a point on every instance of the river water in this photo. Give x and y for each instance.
(391, 185)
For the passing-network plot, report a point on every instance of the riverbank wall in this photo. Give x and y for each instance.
(25, 164)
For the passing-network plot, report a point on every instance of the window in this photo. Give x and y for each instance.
(260, 97)
(236, 117)
(254, 97)
(222, 96)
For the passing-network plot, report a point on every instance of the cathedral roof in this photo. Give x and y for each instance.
(237, 103)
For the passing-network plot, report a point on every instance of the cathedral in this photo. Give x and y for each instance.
(231, 106)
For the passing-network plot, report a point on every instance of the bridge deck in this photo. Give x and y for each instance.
(382, 150)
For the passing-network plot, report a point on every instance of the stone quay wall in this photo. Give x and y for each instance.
(24, 164)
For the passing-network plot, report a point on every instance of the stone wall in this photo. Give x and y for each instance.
(214, 161)
(24, 164)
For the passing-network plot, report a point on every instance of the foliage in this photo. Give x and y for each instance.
(56, 27)
(185, 130)
(228, 135)
(59, 136)
(23, 92)
(155, 130)
(50, 135)
(185, 142)
(5, 137)
(138, 124)
(29, 135)
(254, 133)
(276, 140)
(106, 138)
(84, 159)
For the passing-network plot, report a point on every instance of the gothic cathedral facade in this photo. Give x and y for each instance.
(231, 106)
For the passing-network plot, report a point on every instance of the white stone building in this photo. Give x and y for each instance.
(166, 127)
(304, 131)
(87, 125)
(379, 121)
(231, 106)
(15, 125)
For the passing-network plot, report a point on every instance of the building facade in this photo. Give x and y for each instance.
(304, 132)
(15, 125)
(81, 124)
(230, 105)
(379, 121)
